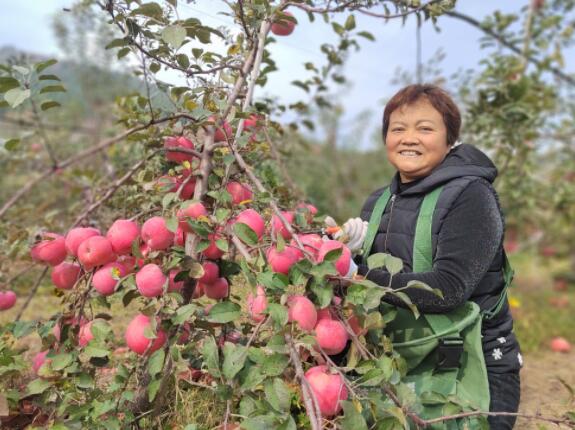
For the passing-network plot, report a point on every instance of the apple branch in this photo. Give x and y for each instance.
(503, 41)
(309, 398)
(397, 15)
(32, 293)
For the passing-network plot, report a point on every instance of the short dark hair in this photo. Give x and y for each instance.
(438, 98)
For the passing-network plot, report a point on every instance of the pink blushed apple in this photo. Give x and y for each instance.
(239, 192)
(329, 389)
(150, 280)
(136, 339)
(331, 336)
(343, 261)
(65, 275)
(103, 280)
(253, 220)
(217, 290)
(7, 300)
(302, 310)
(51, 249)
(121, 235)
(156, 235)
(278, 225)
(95, 251)
(257, 304)
(76, 236)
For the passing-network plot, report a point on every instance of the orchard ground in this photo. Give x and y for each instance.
(540, 313)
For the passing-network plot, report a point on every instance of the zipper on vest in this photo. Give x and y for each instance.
(392, 199)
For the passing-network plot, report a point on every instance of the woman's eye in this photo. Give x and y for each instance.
(396, 129)
(426, 129)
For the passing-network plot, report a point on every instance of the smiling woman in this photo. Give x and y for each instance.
(421, 124)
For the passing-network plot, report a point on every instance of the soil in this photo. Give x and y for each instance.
(542, 391)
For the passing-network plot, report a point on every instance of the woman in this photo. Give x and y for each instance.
(421, 125)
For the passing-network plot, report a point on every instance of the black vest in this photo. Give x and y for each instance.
(396, 234)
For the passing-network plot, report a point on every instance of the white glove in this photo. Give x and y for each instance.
(352, 232)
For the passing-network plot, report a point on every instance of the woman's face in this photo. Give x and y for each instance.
(416, 140)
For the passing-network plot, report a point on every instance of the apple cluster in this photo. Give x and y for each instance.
(128, 249)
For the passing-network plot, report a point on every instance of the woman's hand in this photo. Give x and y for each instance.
(352, 232)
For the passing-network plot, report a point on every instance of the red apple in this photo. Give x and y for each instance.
(211, 272)
(85, 335)
(258, 304)
(281, 262)
(198, 290)
(65, 275)
(156, 235)
(78, 235)
(283, 26)
(212, 251)
(150, 280)
(137, 341)
(121, 235)
(103, 280)
(239, 192)
(178, 142)
(192, 211)
(343, 261)
(302, 310)
(223, 131)
(278, 225)
(253, 220)
(308, 210)
(188, 188)
(560, 344)
(331, 336)
(51, 249)
(180, 237)
(7, 299)
(329, 389)
(218, 290)
(311, 243)
(95, 251)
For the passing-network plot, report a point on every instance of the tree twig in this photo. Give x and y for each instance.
(32, 293)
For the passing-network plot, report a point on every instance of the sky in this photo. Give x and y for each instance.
(25, 24)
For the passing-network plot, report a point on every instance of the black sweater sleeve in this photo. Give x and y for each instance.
(467, 243)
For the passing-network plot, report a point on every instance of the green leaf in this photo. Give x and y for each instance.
(95, 351)
(279, 313)
(49, 105)
(44, 65)
(8, 83)
(116, 43)
(234, 359)
(11, 144)
(84, 380)
(38, 386)
(246, 233)
(153, 388)
(352, 418)
(367, 35)
(151, 10)
(393, 264)
(405, 298)
(211, 356)
(53, 89)
(224, 312)
(184, 313)
(278, 394)
(16, 96)
(174, 35)
(373, 298)
(423, 286)
(222, 244)
(172, 224)
(61, 361)
(49, 78)
(275, 364)
(375, 261)
(156, 362)
(350, 23)
(338, 28)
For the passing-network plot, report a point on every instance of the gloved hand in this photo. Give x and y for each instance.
(352, 232)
